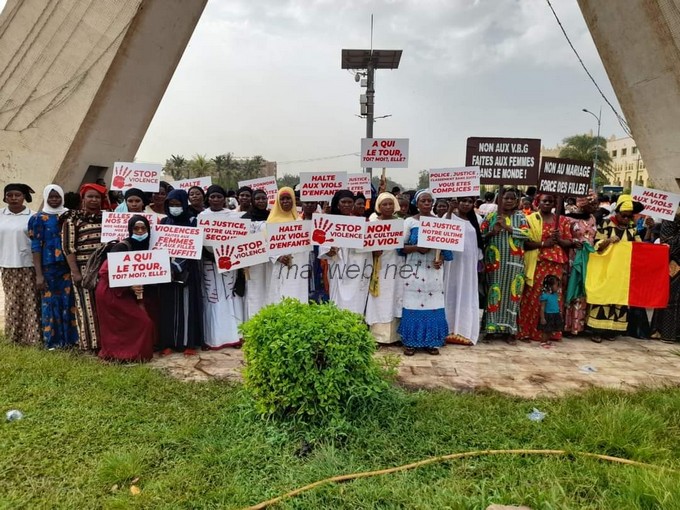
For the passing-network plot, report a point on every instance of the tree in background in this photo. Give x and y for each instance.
(423, 179)
(584, 148)
(288, 180)
(201, 166)
(176, 166)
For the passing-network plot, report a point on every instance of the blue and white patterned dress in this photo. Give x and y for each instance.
(423, 319)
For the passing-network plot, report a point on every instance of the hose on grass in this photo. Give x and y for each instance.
(453, 456)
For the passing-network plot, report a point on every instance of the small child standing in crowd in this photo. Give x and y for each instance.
(551, 319)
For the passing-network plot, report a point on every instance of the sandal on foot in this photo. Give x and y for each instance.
(433, 351)
(409, 351)
(596, 339)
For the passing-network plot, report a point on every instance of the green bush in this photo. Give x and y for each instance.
(311, 363)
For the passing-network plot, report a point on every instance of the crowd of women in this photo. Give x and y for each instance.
(519, 276)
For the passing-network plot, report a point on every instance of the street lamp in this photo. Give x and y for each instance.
(599, 120)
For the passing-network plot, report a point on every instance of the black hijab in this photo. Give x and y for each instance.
(134, 192)
(130, 244)
(24, 189)
(339, 195)
(255, 214)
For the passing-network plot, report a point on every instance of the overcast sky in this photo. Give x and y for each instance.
(263, 77)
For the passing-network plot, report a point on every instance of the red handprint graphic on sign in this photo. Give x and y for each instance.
(321, 228)
(223, 256)
(119, 179)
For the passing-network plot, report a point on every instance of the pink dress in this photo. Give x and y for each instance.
(576, 312)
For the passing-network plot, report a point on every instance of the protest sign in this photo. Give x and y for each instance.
(181, 242)
(240, 252)
(221, 227)
(127, 268)
(338, 231)
(565, 177)
(143, 176)
(115, 224)
(505, 161)
(441, 234)
(661, 205)
(384, 152)
(359, 183)
(384, 235)
(320, 186)
(201, 182)
(268, 184)
(289, 237)
(454, 182)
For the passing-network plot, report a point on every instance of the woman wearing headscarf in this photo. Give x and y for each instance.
(22, 324)
(197, 199)
(53, 279)
(608, 321)
(386, 290)
(135, 201)
(583, 231)
(80, 237)
(423, 318)
(546, 254)
(126, 330)
(290, 273)
(244, 195)
(257, 276)
(222, 309)
(181, 302)
(666, 321)
(347, 293)
(504, 231)
(461, 285)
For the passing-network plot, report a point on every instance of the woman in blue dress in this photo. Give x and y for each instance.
(53, 277)
(423, 320)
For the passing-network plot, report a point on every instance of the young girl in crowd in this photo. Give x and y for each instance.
(550, 321)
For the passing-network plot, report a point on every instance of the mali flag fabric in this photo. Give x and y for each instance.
(631, 274)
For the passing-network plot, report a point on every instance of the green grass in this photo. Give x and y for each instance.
(90, 427)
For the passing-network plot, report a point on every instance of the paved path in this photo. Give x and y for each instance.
(525, 370)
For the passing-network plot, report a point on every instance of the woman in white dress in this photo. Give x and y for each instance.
(461, 284)
(290, 273)
(221, 314)
(347, 292)
(257, 276)
(385, 295)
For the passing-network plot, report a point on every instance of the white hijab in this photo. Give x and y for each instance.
(46, 193)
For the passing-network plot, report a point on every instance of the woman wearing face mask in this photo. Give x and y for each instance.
(222, 309)
(53, 278)
(22, 323)
(80, 238)
(385, 290)
(181, 303)
(289, 275)
(460, 279)
(423, 320)
(346, 292)
(126, 330)
(257, 276)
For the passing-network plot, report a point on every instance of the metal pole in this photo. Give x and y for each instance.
(370, 93)
(597, 146)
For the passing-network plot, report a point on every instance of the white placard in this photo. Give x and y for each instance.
(321, 186)
(289, 237)
(201, 182)
(240, 252)
(127, 268)
(359, 183)
(220, 227)
(181, 242)
(268, 184)
(115, 224)
(143, 176)
(339, 231)
(454, 182)
(384, 152)
(658, 204)
(384, 235)
(441, 234)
